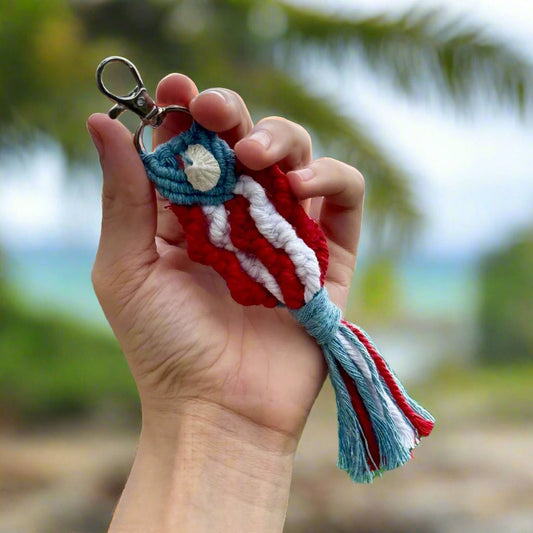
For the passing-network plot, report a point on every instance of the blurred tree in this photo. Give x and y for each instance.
(376, 292)
(506, 306)
(49, 50)
(52, 366)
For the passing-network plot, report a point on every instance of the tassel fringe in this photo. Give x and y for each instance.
(379, 424)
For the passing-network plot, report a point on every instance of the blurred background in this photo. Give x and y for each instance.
(431, 101)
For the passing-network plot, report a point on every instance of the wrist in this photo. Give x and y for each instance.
(205, 468)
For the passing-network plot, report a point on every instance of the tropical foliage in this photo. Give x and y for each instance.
(506, 310)
(49, 50)
(51, 367)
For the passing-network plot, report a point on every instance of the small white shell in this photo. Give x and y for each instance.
(204, 172)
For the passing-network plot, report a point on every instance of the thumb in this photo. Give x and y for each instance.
(129, 211)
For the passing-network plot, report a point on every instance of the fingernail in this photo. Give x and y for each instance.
(97, 140)
(305, 174)
(261, 136)
(219, 94)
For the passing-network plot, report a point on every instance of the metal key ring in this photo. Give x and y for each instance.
(137, 100)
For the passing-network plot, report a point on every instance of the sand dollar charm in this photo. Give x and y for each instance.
(200, 167)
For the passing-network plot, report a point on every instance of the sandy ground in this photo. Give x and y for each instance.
(468, 477)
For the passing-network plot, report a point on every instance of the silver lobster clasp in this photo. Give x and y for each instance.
(137, 100)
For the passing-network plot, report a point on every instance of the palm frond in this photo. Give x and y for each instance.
(419, 50)
(49, 51)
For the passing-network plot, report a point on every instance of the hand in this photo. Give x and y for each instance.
(198, 358)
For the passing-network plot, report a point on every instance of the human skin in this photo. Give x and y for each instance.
(225, 390)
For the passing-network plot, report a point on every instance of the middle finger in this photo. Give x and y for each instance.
(224, 112)
(275, 140)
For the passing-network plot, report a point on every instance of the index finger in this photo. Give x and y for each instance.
(224, 112)
(220, 110)
(174, 89)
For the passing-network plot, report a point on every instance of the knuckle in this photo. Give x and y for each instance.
(358, 182)
(351, 175)
(96, 279)
(327, 162)
(303, 133)
(100, 283)
(290, 134)
(230, 96)
(109, 200)
(116, 204)
(271, 121)
(286, 124)
(103, 280)
(115, 285)
(350, 181)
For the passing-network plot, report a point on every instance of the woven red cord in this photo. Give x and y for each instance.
(422, 425)
(247, 238)
(278, 189)
(243, 288)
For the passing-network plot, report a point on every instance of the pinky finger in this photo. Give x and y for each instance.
(342, 188)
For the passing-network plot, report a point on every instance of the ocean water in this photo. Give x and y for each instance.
(60, 278)
(440, 288)
(56, 280)
(440, 302)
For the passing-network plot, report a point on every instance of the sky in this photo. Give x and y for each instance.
(473, 175)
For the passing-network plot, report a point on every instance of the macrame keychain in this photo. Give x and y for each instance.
(251, 229)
